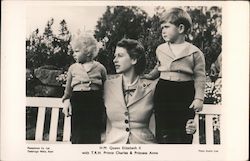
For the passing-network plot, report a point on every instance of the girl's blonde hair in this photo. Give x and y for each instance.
(87, 43)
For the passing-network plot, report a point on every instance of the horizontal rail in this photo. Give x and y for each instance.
(44, 102)
(211, 109)
(55, 103)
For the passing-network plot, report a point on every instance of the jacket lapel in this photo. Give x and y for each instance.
(188, 50)
(167, 51)
(117, 90)
(142, 90)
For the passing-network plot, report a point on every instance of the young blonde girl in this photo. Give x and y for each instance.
(84, 88)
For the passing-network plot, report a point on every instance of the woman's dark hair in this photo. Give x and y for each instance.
(135, 51)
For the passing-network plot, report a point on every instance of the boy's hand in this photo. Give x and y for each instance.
(218, 82)
(146, 76)
(67, 109)
(213, 70)
(190, 127)
(197, 105)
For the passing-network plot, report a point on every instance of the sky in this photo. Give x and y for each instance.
(76, 17)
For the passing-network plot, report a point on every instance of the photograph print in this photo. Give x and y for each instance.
(123, 74)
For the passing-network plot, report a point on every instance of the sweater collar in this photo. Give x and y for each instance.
(188, 50)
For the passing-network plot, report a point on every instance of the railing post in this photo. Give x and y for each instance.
(209, 129)
(53, 124)
(196, 138)
(66, 129)
(40, 123)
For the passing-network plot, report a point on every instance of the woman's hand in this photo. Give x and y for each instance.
(190, 127)
(197, 105)
(67, 109)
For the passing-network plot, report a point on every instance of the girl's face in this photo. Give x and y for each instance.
(169, 32)
(79, 54)
(122, 61)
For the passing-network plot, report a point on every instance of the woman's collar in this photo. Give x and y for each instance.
(130, 84)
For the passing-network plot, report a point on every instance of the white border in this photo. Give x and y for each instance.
(235, 120)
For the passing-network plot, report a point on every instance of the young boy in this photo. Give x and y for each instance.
(180, 89)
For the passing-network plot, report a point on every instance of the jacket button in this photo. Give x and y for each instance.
(126, 121)
(126, 113)
(127, 129)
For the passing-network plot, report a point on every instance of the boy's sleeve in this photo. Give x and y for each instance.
(154, 74)
(199, 75)
(68, 89)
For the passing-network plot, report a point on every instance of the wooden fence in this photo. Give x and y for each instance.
(209, 111)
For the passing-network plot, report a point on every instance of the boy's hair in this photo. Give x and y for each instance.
(135, 51)
(87, 43)
(215, 8)
(177, 16)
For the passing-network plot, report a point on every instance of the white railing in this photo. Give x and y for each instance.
(210, 111)
(55, 103)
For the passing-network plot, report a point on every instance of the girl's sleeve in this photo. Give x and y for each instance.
(104, 74)
(68, 89)
(199, 75)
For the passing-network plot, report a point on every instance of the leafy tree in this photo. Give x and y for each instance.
(119, 22)
(48, 48)
(48, 29)
(61, 50)
(152, 38)
(132, 22)
(36, 51)
(206, 32)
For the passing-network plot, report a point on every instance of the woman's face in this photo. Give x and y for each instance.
(122, 61)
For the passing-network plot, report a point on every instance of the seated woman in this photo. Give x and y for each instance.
(129, 99)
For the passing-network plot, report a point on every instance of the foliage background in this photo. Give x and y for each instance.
(53, 51)
(50, 52)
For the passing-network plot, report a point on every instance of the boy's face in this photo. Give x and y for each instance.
(79, 54)
(169, 32)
